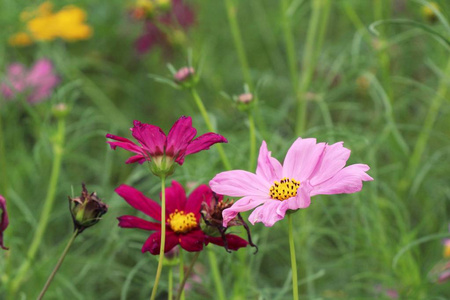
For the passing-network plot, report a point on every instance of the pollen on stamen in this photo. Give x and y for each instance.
(284, 189)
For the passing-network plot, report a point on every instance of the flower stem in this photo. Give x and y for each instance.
(58, 264)
(163, 236)
(181, 257)
(205, 116)
(216, 274)
(186, 276)
(293, 259)
(170, 296)
(252, 133)
(58, 150)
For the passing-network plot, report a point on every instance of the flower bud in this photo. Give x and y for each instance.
(86, 210)
(245, 98)
(60, 110)
(185, 77)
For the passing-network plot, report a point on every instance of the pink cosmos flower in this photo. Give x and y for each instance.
(154, 144)
(180, 15)
(3, 221)
(38, 82)
(182, 223)
(309, 169)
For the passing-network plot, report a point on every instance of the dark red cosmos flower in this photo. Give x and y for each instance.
(182, 223)
(157, 147)
(3, 220)
(180, 15)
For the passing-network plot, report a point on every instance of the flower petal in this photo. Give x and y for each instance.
(123, 143)
(153, 243)
(203, 142)
(3, 221)
(333, 159)
(269, 213)
(302, 200)
(151, 137)
(243, 204)
(138, 201)
(192, 241)
(135, 222)
(239, 183)
(348, 180)
(175, 198)
(268, 167)
(201, 194)
(234, 242)
(136, 158)
(302, 158)
(179, 137)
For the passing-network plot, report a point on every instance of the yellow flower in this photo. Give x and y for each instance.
(44, 25)
(20, 39)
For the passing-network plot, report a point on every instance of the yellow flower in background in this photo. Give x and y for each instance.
(44, 25)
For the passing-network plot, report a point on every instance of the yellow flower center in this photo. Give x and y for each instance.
(284, 189)
(180, 222)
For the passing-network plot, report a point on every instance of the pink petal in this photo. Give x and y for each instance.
(136, 158)
(333, 159)
(348, 180)
(269, 213)
(192, 241)
(239, 183)
(138, 201)
(4, 221)
(151, 37)
(268, 167)
(151, 137)
(203, 142)
(175, 198)
(243, 204)
(201, 194)
(302, 158)
(123, 143)
(234, 242)
(179, 137)
(42, 80)
(153, 243)
(135, 222)
(302, 200)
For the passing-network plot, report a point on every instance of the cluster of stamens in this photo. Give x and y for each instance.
(180, 222)
(284, 189)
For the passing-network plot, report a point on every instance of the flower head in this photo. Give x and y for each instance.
(86, 210)
(3, 220)
(162, 150)
(309, 169)
(182, 222)
(38, 82)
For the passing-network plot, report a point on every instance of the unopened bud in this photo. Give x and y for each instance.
(184, 74)
(245, 98)
(60, 110)
(86, 210)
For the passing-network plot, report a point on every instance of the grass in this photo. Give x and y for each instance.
(385, 96)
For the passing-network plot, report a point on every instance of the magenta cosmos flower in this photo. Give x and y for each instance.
(182, 223)
(38, 82)
(155, 146)
(3, 220)
(309, 169)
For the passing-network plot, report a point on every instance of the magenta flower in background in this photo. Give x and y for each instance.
(309, 169)
(38, 82)
(180, 15)
(3, 221)
(154, 144)
(182, 223)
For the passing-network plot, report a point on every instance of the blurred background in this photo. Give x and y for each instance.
(374, 74)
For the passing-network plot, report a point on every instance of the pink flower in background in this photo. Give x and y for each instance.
(182, 223)
(38, 82)
(154, 144)
(180, 15)
(3, 221)
(309, 169)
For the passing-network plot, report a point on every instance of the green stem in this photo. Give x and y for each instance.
(163, 237)
(309, 60)
(180, 291)
(181, 257)
(58, 264)
(205, 116)
(216, 274)
(170, 297)
(58, 150)
(252, 134)
(289, 43)
(293, 259)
